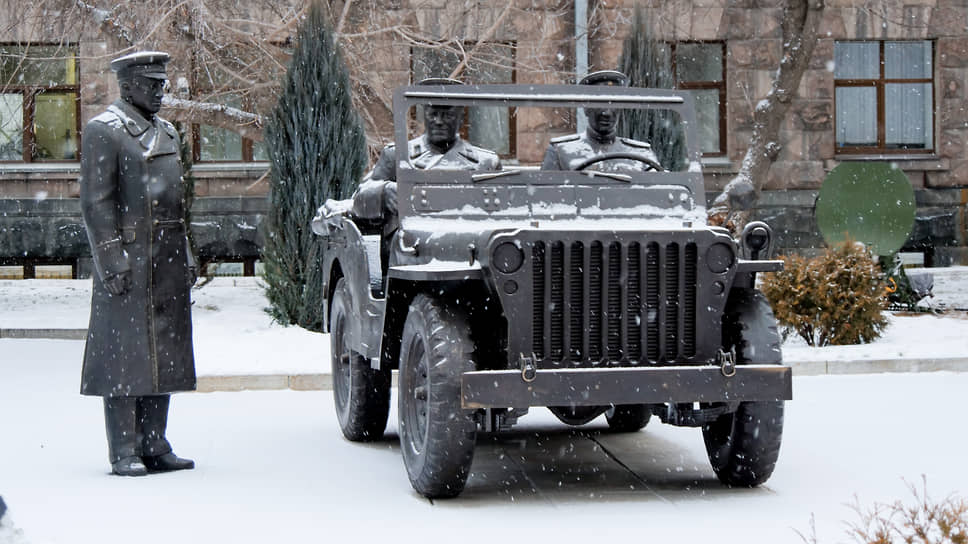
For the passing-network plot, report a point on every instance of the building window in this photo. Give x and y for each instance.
(39, 103)
(214, 144)
(884, 95)
(700, 67)
(488, 127)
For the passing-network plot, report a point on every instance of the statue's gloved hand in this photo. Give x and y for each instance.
(330, 215)
(335, 208)
(192, 275)
(390, 198)
(118, 284)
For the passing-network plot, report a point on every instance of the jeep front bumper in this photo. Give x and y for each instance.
(604, 386)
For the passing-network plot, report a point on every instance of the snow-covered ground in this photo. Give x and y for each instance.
(232, 332)
(273, 467)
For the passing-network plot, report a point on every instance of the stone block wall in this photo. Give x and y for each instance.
(752, 35)
(543, 33)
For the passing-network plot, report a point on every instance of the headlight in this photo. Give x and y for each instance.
(508, 257)
(719, 258)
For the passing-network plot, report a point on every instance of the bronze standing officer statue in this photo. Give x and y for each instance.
(600, 138)
(139, 341)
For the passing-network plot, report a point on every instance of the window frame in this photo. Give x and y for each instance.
(247, 148)
(29, 104)
(880, 84)
(706, 85)
(247, 145)
(464, 131)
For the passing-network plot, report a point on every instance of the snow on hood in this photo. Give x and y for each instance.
(559, 217)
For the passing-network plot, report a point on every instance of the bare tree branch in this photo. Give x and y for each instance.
(342, 16)
(484, 38)
(245, 123)
(733, 206)
(231, 57)
(107, 22)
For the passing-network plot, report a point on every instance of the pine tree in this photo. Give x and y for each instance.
(648, 63)
(317, 150)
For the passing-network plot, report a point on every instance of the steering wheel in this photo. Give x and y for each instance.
(649, 162)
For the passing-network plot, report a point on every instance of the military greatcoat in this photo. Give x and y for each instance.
(566, 152)
(368, 200)
(132, 198)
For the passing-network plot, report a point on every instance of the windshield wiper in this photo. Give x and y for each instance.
(612, 175)
(491, 175)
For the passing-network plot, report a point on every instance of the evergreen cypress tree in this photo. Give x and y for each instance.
(317, 150)
(648, 63)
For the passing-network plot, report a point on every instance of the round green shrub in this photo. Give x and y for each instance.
(836, 298)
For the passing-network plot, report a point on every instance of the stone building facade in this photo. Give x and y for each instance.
(887, 82)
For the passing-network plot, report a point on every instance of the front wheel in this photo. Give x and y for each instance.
(361, 393)
(437, 437)
(743, 446)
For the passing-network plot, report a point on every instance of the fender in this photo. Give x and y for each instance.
(357, 257)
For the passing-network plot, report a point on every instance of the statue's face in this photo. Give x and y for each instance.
(144, 93)
(442, 123)
(602, 121)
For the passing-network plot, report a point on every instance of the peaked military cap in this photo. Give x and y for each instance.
(150, 64)
(605, 77)
(439, 81)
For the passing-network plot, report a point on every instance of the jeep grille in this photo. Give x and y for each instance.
(614, 302)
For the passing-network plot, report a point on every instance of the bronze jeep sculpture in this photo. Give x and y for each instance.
(587, 291)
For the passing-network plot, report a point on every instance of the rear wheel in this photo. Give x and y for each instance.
(628, 418)
(743, 446)
(361, 393)
(437, 437)
(576, 415)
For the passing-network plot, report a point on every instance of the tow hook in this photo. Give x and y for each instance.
(528, 370)
(727, 363)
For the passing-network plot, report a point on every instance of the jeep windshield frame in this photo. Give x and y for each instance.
(410, 178)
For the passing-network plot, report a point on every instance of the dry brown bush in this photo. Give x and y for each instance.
(836, 298)
(923, 520)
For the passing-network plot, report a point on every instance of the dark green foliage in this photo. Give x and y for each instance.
(648, 63)
(836, 298)
(317, 150)
(901, 294)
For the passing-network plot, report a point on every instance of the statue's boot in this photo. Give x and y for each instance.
(155, 449)
(119, 422)
(167, 463)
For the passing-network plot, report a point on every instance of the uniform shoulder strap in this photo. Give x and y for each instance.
(636, 143)
(563, 139)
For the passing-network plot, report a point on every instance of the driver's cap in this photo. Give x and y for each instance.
(440, 81)
(605, 77)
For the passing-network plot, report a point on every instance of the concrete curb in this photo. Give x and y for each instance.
(265, 382)
(323, 381)
(50, 334)
(879, 366)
